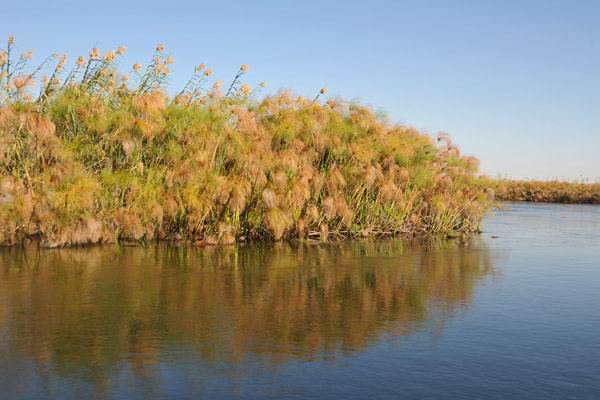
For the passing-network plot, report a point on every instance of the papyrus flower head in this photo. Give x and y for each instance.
(28, 55)
(19, 82)
(246, 89)
(110, 56)
(81, 62)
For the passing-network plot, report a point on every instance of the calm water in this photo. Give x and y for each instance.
(512, 317)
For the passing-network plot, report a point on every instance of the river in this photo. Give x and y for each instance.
(511, 313)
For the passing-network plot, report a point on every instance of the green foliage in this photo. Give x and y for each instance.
(96, 161)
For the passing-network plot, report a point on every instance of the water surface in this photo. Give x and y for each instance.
(512, 317)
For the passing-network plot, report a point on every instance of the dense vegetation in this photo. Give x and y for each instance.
(99, 157)
(548, 191)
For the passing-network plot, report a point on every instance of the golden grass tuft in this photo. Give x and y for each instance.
(388, 191)
(313, 213)
(269, 198)
(328, 205)
(278, 221)
(149, 103)
(324, 232)
(39, 125)
(545, 191)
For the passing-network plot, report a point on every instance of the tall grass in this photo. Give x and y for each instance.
(548, 191)
(97, 157)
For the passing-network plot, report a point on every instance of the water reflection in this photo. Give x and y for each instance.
(97, 314)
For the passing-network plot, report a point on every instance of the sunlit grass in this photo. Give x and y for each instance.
(96, 156)
(548, 191)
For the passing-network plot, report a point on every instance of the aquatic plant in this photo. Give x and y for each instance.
(99, 157)
(548, 191)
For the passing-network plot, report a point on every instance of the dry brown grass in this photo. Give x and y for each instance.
(548, 191)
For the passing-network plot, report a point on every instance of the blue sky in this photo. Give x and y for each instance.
(515, 83)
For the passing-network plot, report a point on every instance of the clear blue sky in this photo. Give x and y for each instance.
(515, 83)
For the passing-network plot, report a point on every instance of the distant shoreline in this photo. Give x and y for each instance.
(547, 191)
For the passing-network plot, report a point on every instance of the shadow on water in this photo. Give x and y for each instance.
(94, 315)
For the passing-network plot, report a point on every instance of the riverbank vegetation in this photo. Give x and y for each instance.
(548, 191)
(91, 155)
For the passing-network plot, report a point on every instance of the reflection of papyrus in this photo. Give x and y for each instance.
(82, 312)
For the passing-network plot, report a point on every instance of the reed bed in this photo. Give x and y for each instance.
(91, 155)
(548, 191)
